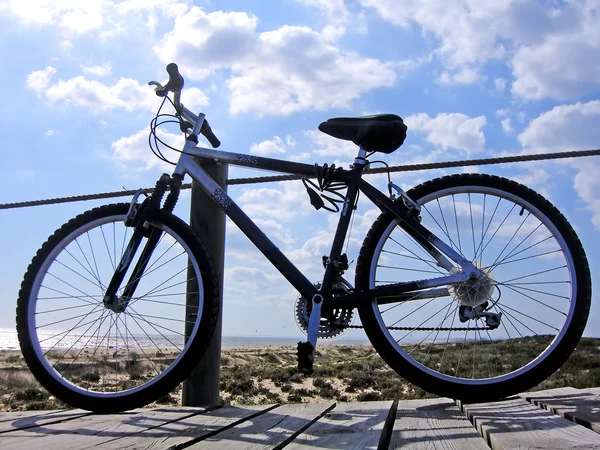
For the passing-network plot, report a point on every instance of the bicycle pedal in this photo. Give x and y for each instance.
(305, 357)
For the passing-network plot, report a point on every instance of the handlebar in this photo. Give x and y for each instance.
(175, 84)
(207, 132)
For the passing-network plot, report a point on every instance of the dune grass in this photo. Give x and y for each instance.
(342, 373)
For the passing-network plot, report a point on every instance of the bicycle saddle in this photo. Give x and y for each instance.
(379, 133)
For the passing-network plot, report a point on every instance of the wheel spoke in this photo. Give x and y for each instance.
(529, 317)
(457, 227)
(429, 263)
(95, 276)
(536, 300)
(523, 261)
(534, 274)
(510, 240)
(112, 261)
(472, 226)
(109, 346)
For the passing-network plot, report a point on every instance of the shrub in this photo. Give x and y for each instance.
(31, 395)
(294, 398)
(370, 396)
(92, 377)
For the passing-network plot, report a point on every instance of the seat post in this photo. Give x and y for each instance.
(361, 158)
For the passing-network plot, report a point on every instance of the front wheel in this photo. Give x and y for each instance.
(109, 357)
(500, 335)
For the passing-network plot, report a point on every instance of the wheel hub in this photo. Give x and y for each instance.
(115, 304)
(476, 292)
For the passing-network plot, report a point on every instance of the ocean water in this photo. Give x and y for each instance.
(9, 341)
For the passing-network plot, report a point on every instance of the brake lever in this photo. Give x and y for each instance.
(159, 89)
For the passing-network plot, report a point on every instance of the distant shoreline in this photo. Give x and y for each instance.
(9, 341)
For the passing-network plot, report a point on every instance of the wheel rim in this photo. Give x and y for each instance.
(93, 350)
(518, 344)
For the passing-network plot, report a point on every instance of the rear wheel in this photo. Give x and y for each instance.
(536, 283)
(109, 358)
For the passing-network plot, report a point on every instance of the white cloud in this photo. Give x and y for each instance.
(325, 145)
(465, 29)
(100, 71)
(132, 152)
(275, 146)
(40, 79)
(535, 176)
(72, 15)
(127, 94)
(250, 277)
(49, 133)
(565, 127)
(507, 126)
(302, 156)
(202, 43)
(66, 46)
(167, 7)
(338, 17)
(333, 8)
(552, 47)
(274, 72)
(500, 84)
(106, 17)
(571, 127)
(450, 130)
(276, 231)
(587, 185)
(466, 75)
(297, 69)
(284, 201)
(562, 67)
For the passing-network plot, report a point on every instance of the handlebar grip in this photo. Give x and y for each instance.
(175, 83)
(208, 134)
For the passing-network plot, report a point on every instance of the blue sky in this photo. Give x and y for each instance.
(472, 79)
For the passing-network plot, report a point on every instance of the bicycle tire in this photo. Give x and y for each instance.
(426, 369)
(72, 384)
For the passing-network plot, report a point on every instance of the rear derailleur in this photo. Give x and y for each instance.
(492, 320)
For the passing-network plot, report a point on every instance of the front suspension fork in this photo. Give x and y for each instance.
(143, 228)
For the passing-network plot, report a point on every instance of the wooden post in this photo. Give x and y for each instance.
(201, 388)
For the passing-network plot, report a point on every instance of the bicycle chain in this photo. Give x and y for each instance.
(416, 329)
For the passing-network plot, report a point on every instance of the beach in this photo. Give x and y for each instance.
(268, 374)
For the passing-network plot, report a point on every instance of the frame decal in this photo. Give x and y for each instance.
(221, 198)
(246, 160)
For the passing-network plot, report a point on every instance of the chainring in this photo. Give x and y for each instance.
(333, 325)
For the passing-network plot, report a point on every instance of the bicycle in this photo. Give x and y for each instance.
(491, 308)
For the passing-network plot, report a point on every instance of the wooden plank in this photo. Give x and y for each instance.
(594, 391)
(6, 416)
(90, 430)
(347, 426)
(549, 392)
(24, 421)
(573, 404)
(433, 424)
(187, 430)
(516, 423)
(273, 428)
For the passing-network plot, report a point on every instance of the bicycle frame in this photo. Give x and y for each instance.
(353, 178)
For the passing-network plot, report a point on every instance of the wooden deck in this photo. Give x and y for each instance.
(562, 418)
